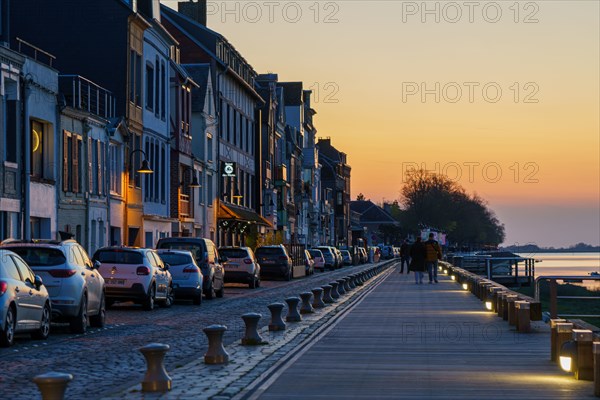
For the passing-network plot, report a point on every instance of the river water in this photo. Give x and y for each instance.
(565, 263)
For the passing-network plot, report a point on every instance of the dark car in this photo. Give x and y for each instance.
(274, 262)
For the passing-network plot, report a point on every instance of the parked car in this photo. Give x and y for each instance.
(329, 256)
(387, 252)
(241, 266)
(135, 274)
(24, 300)
(318, 258)
(338, 258)
(207, 257)
(274, 261)
(309, 263)
(76, 288)
(185, 274)
(346, 257)
(363, 255)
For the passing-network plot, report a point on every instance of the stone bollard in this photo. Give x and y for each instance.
(306, 307)
(293, 315)
(277, 323)
(347, 281)
(584, 367)
(361, 280)
(251, 336)
(53, 385)
(564, 333)
(523, 316)
(216, 353)
(327, 294)
(596, 351)
(553, 337)
(341, 289)
(156, 378)
(512, 311)
(352, 282)
(318, 298)
(334, 290)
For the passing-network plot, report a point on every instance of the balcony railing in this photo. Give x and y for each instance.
(83, 94)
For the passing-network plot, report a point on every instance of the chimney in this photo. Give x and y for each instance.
(149, 9)
(4, 34)
(195, 10)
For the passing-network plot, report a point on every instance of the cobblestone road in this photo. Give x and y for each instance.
(105, 361)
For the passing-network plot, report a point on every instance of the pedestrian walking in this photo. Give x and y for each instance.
(404, 256)
(417, 260)
(433, 254)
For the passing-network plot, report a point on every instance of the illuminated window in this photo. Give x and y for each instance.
(37, 149)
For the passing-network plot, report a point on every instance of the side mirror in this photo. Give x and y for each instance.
(37, 282)
(97, 264)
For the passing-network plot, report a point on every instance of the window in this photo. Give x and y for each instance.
(158, 88)
(209, 148)
(135, 78)
(163, 91)
(163, 170)
(37, 149)
(11, 129)
(209, 188)
(149, 87)
(114, 154)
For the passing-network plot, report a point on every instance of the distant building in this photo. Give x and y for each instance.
(369, 218)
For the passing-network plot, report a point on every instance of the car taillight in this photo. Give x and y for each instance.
(3, 287)
(190, 270)
(247, 261)
(62, 273)
(143, 270)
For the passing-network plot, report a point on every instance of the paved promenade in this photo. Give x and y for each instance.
(390, 339)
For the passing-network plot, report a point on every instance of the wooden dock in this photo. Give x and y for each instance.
(429, 341)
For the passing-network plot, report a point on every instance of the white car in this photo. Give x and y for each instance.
(241, 266)
(186, 274)
(317, 255)
(76, 288)
(135, 274)
(24, 301)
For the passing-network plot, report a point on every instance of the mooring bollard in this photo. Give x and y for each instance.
(156, 378)
(341, 289)
(564, 333)
(53, 385)
(352, 282)
(327, 294)
(216, 353)
(492, 294)
(553, 337)
(306, 307)
(318, 298)
(347, 281)
(360, 279)
(251, 335)
(523, 316)
(277, 323)
(334, 290)
(293, 315)
(500, 303)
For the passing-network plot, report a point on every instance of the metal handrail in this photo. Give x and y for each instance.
(554, 296)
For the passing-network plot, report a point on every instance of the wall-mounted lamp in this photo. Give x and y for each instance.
(194, 183)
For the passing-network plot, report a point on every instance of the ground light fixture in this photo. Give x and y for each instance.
(465, 286)
(568, 355)
(452, 277)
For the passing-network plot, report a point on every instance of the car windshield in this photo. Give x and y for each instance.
(326, 251)
(175, 258)
(119, 257)
(315, 253)
(40, 256)
(233, 253)
(269, 251)
(195, 249)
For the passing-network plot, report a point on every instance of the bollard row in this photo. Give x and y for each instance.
(53, 385)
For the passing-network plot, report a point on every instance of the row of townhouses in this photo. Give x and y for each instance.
(126, 121)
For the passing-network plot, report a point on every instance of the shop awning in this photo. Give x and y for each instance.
(240, 214)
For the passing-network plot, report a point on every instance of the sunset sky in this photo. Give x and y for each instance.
(510, 108)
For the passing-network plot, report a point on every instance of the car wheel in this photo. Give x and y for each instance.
(7, 336)
(221, 292)
(258, 281)
(210, 292)
(168, 302)
(150, 299)
(99, 320)
(197, 300)
(79, 323)
(252, 283)
(44, 330)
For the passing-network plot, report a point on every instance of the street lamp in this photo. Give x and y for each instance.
(144, 169)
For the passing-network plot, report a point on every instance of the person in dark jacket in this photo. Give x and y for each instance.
(417, 262)
(433, 253)
(404, 256)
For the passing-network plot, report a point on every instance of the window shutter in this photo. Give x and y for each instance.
(75, 151)
(66, 177)
(100, 166)
(90, 175)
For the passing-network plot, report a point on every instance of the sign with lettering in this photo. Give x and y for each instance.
(228, 169)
